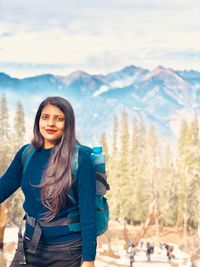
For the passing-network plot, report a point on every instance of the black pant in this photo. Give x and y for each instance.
(61, 255)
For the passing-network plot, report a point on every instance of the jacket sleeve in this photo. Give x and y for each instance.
(87, 205)
(11, 179)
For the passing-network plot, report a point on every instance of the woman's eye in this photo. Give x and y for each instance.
(44, 117)
(59, 119)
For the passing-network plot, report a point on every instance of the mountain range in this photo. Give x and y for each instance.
(161, 97)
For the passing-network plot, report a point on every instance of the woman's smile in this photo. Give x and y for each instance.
(51, 131)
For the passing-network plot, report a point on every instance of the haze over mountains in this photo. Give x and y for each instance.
(160, 97)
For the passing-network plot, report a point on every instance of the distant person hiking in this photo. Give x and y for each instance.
(170, 250)
(149, 251)
(131, 253)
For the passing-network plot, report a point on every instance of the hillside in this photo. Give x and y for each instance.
(161, 97)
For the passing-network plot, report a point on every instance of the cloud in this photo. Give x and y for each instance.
(63, 13)
(98, 36)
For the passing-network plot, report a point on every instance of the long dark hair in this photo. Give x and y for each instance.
(57, 177)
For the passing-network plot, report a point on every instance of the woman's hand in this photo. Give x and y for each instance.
(88, 264)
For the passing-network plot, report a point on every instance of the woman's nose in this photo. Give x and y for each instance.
(51, 122)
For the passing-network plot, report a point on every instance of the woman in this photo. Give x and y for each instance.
(47, 184)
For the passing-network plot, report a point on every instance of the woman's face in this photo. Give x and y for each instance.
(51, 125)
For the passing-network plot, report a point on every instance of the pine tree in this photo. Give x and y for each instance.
(5, 147)
(103, 142)
(153, 155)
(18, 136)
(137, 166)
(114, 137)
(168, 187)
(189, 173)
(113, 172)
(183, 160)
(125, 189)
(19, 127)
(194, 174)
(5, 156)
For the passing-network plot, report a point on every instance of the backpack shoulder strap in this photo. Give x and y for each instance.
(75, 158)
(77, 148)
(27, 153)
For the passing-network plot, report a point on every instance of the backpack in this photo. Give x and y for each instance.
(102, 208)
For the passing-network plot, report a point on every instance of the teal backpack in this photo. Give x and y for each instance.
(98, 160)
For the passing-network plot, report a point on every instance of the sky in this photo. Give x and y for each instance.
(97, 36)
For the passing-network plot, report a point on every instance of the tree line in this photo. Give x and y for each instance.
(149, 177)
(12, 132)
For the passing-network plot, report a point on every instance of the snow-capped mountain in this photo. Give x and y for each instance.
(158, 96)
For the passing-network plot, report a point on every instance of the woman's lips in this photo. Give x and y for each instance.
(49, 131)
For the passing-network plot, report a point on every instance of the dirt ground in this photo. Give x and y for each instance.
(115, 238)
(169, 235)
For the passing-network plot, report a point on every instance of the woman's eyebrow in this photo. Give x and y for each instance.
(57, 115)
